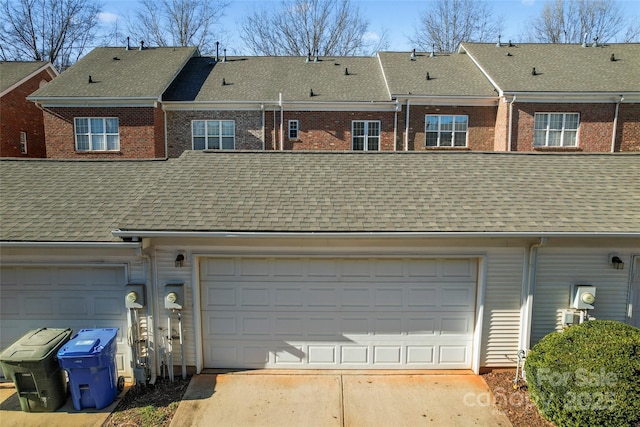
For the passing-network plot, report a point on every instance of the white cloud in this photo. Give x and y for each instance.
(107, 17)
(371, 36)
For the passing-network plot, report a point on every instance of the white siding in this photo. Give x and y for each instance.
(168, 273)
(560, 268)
(502, 307)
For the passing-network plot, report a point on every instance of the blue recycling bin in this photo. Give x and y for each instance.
(90, 361)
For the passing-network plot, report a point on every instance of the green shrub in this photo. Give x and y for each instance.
(587, 375)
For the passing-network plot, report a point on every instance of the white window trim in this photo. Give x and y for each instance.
(23, 142)
(366, 134)
(105, 133)
(453, 131)
(297, 129)
(546, 130)
(207, 137)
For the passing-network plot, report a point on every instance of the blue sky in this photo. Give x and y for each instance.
(397, 18)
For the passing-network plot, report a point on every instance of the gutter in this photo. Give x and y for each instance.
(374, 235)
(111, 245)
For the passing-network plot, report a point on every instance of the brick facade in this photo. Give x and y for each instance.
(501, 139)
(248, 125)
(481, 130)
(324, 130)
(141, 132)
(595, 128)
(19, 115)
(628, 130)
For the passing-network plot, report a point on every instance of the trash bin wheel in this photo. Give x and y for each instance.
(120, 384)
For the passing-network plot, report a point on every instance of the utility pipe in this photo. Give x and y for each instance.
(264, 136)
(281, 122)
(152, 353)
(184, 363)
(510, 122)
(615, 125)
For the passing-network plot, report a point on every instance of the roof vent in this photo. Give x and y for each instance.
(224, 82)
(141, 44)
(613, 58)
(217, 51)
(428, 76)
(509, 54)
(90, 80)
(346, 71)
(413, 55)
(584, 40)
(315, 58)
(311, 94)
(309, 55)
(224, 57)
(433, 51)
(533, 72)
(595, 42)
(510, 44)
(115, 58)
(498, 44)
(128, 45)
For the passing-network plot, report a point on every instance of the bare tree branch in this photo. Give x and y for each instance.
(447, 23)
(330, 27)
(568, 21)
(179, 23)
(47, 30)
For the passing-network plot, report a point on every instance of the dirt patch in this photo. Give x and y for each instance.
(150, 405)
(514, 402)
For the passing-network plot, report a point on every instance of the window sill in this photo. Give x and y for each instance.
(557, 149)
(99, 152)
(448, 148)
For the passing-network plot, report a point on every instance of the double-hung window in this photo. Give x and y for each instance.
(365, 135)
(97, 134)
(446, 131)
(23, 142)
(556, 129)
(213, 134)
(294, 127)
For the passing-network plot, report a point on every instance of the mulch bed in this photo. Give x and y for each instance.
(515, 403)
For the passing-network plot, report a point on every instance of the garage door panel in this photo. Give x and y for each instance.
(375, 314)
(64, 297)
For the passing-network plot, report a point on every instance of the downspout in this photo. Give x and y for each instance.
(510, 122)
(395, 125)
(615, 125)
(406, 129)
(264, 136)
(281, 122)
(275, 132)
(528, 290)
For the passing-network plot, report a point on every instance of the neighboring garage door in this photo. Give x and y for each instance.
(64, 297)
(338, 313)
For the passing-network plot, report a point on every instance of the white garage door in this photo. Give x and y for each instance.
(64, 297)
(338, 313)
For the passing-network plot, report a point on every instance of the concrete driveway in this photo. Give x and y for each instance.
(337, 398)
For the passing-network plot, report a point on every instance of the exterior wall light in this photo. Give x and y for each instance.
(617, 262)
(179, 260)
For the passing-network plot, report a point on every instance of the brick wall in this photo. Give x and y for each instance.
(324, 130)
(594, 133)
(628, 130)
(501, 139)
(19, 115)
(481, 131)
(139, 129)
(248, 128)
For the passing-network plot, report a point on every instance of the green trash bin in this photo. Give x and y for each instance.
(32, 364)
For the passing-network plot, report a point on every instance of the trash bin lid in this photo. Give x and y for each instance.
(35, 345)
(88, 342)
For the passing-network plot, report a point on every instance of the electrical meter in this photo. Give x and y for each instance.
(134, 296)
(174, 296)
(583, 297)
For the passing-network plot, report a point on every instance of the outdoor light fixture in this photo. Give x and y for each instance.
(179, 260)
(617, 262)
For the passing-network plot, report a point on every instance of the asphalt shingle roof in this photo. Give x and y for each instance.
(12, 72)
(256, 78)
(119, 73)
(50, 200)
(560, 67)
(450, 75)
